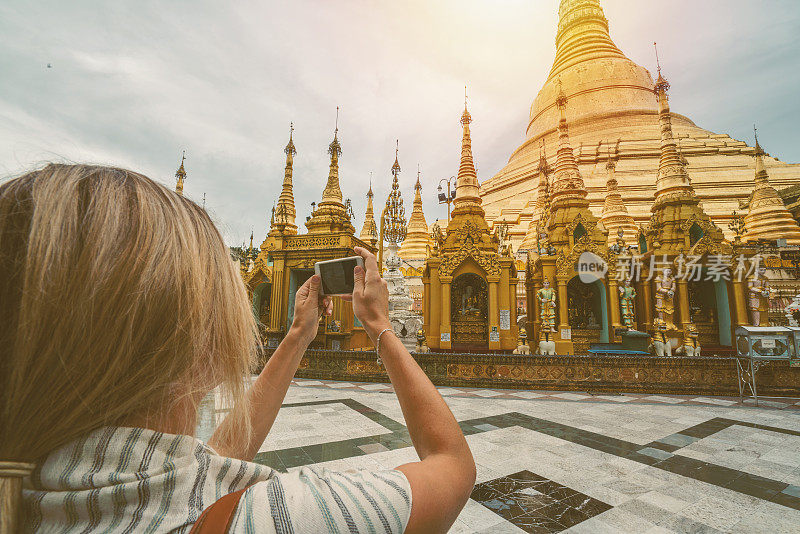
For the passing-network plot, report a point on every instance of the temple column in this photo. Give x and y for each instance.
(740, 303)
(683, 302)
(445, 320)
(278, 298)
(494, 314)
(433, 307)
(613, 299)
(505, 305)
(646, 321)
(563, 321)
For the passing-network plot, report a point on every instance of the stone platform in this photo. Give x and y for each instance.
(643, 374)
(552, 461)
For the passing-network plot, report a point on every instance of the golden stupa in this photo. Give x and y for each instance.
(612, 106)
(767, 216)
(415, 245)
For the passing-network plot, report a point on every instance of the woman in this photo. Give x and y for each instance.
(121, 310)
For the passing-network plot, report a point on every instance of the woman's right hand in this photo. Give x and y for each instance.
(370, 295)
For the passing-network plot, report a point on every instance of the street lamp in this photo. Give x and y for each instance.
(450, 195)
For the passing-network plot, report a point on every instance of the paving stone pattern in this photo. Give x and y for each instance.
(574, 462)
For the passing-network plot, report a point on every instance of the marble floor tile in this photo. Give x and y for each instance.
(661, 463)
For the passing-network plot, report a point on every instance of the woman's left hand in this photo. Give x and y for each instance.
(309, 306)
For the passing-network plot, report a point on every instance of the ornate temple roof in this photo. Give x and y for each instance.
(417, 240)
(467, 187)
(767, 216)
(331, 214)
(678, 222)
(568, 183)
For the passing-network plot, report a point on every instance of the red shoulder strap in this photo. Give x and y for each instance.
(216, 519)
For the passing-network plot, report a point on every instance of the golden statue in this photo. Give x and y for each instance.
(626, 295)
(665, 293)
(547, 306)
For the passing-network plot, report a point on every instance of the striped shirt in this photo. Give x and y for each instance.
(136, 480)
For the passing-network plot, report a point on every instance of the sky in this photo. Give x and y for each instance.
(135, 83)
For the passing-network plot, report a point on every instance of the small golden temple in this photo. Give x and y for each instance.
(469, 282)
(285, 260)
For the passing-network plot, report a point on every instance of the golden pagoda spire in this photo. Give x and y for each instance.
(568, 186)
(767, 216)
(541, 208)
(333, 192)
(417, 240)
(369, 233)
(331, 214)
(180, 174)
(582, 35)
(615, 215)
(675, 200)
(672, 183)
(286, 212)
(467, 187)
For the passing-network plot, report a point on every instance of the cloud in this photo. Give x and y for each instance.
(135, 83)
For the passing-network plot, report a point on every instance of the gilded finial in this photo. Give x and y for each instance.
(658, 63)
(466, 118)
(561, 99)
(335, 149)
(290, 150)
(180, 174)
(370, 193)
(418, 185)
(759, 150)
(661, 83)
(396, 166)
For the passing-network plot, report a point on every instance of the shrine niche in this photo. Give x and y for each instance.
(261, 302)
(703, 311)
(586, 305)
(469, 312)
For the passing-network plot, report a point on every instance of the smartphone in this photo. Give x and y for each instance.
(337, 275)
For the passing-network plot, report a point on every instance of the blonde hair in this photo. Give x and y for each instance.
(119, 301)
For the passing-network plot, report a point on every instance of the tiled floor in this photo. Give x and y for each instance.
(572, 461)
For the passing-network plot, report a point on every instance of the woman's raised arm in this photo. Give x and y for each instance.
(268, 391)
(442, 480)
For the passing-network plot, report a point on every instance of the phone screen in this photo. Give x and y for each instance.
(337, 276)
